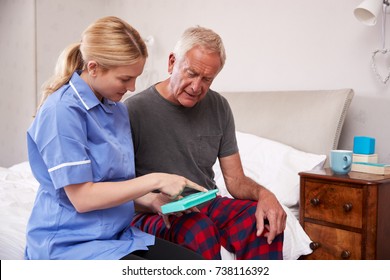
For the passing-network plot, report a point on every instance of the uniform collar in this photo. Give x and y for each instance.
(86, 95)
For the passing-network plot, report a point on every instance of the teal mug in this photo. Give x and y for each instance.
(341, 161)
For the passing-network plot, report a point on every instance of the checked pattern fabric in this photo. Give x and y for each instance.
(223, 222)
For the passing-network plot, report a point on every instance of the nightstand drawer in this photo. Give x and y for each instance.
(346, 216)
(333, 203)
(333, 243)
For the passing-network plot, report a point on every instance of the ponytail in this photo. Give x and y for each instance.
(68, 62)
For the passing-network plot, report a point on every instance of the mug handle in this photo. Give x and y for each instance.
(348, 161)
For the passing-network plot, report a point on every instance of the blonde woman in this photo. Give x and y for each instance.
(78, 147)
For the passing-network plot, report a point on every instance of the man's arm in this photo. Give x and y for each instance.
(243, 187)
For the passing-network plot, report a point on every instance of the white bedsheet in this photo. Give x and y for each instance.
(17, 193)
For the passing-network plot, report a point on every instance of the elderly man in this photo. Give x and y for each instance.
(181, 126)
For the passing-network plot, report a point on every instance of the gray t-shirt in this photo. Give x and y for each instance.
(178, 140)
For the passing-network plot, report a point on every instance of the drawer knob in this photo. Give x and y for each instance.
(345, 254)
(347, 207)
(315, 201)
(314, 245)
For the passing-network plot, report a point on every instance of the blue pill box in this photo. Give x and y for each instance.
(363, 145)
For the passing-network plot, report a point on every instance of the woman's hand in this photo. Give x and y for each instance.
(173, 185)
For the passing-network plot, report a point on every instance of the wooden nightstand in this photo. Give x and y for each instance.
(346, 216)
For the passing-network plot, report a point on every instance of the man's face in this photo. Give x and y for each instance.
(192, 75)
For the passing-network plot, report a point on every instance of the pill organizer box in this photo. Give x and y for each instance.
(188, 201)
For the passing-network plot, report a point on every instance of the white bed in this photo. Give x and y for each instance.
(279, 134)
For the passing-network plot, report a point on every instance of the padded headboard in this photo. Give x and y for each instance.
(310, 121)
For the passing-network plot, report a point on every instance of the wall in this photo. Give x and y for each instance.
(17, 77)
(271, 45)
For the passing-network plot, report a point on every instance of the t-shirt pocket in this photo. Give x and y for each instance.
(208, 148)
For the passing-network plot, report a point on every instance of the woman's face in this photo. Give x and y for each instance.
(115, 82)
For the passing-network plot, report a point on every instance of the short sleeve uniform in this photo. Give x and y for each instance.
(75, 138)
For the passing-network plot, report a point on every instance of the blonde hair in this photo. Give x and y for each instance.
(110, 41)
(203, 37)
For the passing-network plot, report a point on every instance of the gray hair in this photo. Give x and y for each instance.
(202, 37)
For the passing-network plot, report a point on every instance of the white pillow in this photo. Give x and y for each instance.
(273, 165)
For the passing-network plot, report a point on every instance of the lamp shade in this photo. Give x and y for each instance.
(367, 12)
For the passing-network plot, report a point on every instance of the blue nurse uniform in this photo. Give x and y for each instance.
(75, 138)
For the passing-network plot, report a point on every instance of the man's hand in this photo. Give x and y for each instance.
(160, 200)
(268, 208)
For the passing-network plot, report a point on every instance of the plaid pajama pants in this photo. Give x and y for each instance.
(224, 221)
